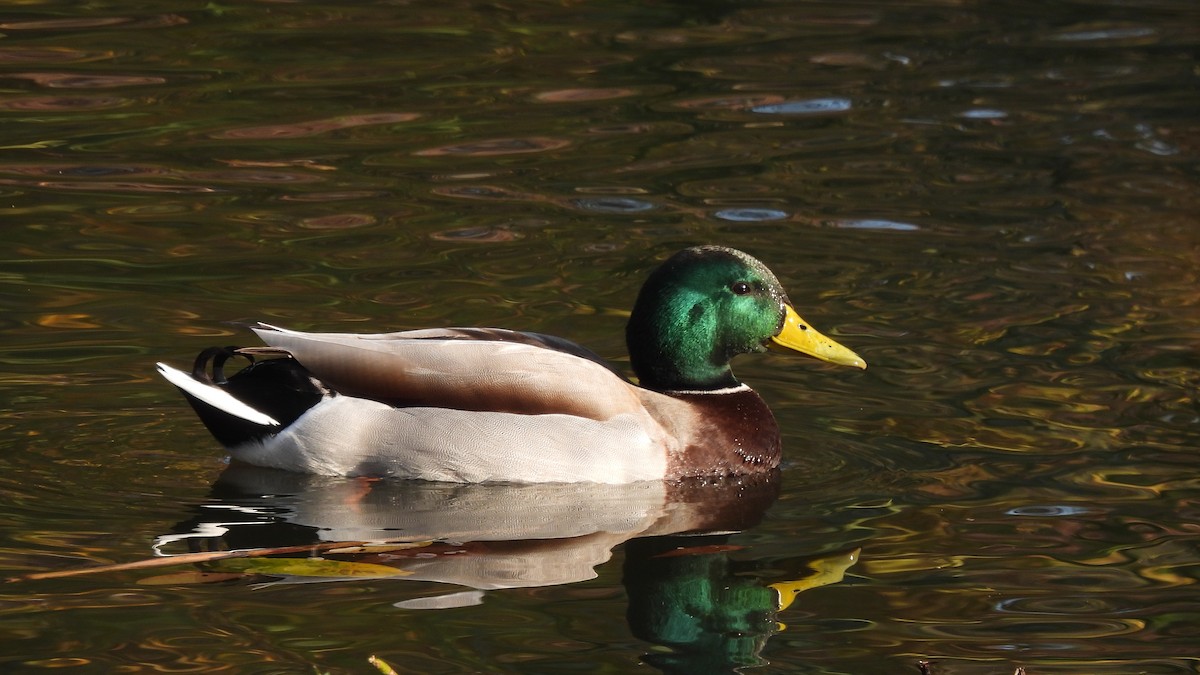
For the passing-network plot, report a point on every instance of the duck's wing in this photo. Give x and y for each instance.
(494, 335)
(463, 368)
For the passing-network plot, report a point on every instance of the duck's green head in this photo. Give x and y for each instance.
(704, 306)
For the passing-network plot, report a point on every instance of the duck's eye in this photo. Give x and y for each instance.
(740, 288)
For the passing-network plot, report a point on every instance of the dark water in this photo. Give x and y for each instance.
(994, 203)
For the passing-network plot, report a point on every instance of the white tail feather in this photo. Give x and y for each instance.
(214, 396)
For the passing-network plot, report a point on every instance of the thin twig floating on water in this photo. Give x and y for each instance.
(213, 556)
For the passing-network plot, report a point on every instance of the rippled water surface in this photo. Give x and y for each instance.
(994, 203)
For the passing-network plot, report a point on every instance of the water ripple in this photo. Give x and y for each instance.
(1121, 33)
(497, 147)
(612, 204)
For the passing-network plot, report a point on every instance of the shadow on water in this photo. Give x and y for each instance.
(691, 592)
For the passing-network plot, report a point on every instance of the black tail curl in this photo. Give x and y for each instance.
(217, 356)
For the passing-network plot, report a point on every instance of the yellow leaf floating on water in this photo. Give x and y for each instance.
(191, 578)
(310, 567)
(381, 665)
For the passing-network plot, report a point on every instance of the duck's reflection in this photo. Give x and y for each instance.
(686, 592)
(715, 612)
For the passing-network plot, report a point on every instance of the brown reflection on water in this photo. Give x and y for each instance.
(154, 21)
(91, 177)
(341, 221)
(114, 186)
(303, 163)
(63, 103)
(341, 196)
(497, 146)
(314, 127)
(80, 81)
(46, 55)
(583, 95)
(478, 235)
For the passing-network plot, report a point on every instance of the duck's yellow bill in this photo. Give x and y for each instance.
(798, 336)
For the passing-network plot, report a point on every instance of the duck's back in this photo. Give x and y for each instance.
(487, 370)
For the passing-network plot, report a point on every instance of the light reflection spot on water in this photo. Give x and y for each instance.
(751, 215)
(1158, 148)
(612, 190)
(805, 107)
(984, 114)
(613, 204)
(1109, 34)
(875, 224)
(447, 601)
(89, 171)
(59, 662)
(1048, 511)
(1053, 605)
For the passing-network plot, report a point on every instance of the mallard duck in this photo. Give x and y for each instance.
(477, 405)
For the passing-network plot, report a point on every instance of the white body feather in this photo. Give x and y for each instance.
(348, 436)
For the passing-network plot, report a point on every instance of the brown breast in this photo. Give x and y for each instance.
(727, 434)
